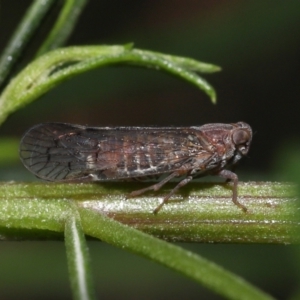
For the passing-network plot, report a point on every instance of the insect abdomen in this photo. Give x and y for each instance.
(140, 154)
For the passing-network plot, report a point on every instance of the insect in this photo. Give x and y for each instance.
(68, 153)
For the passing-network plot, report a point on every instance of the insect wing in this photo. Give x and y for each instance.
(58, 151)
(50, 151)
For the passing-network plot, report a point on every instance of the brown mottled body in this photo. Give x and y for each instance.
(65, 152)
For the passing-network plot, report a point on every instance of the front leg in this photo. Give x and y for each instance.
(232, 177)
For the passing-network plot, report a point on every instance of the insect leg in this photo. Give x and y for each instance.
(232, 169)
(154, 187)
(233, 177)
(178, 186)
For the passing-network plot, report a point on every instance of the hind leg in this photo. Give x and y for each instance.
(154, 187)
(177, 187)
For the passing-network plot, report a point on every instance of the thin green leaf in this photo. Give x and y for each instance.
(178, 66)
(78, 259)
(64, 25)
(58, 65)
(186, 62)
(19, 40)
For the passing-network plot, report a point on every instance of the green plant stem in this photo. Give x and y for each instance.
(197, 213)
(22, 35)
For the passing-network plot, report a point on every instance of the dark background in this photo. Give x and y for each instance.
(257, 45)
